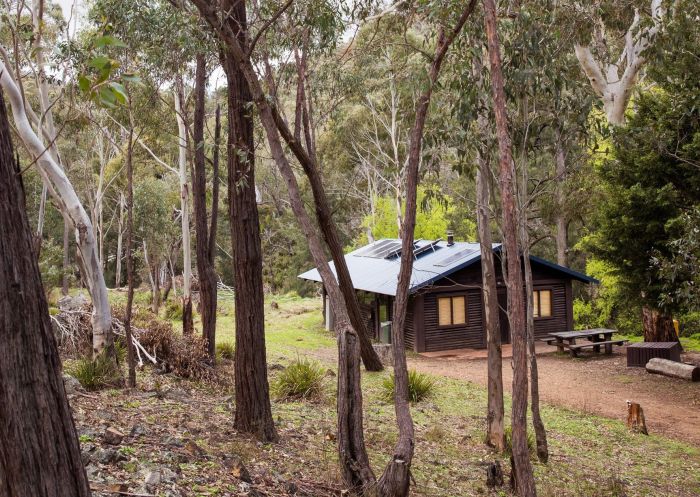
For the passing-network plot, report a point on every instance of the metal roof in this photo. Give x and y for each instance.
(380, 275)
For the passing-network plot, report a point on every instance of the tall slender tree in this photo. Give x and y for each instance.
(39, 451)
(522, 468)
(206, 236)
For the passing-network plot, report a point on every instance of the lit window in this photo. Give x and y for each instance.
(452, 310)
(542, 303)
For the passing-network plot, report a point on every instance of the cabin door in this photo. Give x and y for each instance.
(503, 316)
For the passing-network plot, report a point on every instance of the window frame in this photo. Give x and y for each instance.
(451, 296)
(536, 303)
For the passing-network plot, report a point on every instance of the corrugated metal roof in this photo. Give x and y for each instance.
(380, 275)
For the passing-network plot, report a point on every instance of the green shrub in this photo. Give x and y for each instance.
(420, 387)
(173, 310)
(225, 350)
(302, 379)
(95, 374)
(509, 441)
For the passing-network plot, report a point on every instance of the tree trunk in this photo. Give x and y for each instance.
(187, 326)
(352, 453)
(72, 210)
(129, 253)
(397, 476)
(658, 326)
(65, 268)
(540, 432)
(205, 264)
(120, 233)
(39, 450)
(522, 467)
(308, 160)
(561, 221)
(495, 431)
(253, 411)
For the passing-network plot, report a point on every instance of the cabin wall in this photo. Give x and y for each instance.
(469, 335)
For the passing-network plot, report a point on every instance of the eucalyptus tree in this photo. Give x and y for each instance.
(39, 449)
(56, 181)
(619, 36)
(522, 468)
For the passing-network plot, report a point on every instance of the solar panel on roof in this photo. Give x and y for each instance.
(430, 246)
(382, 249)
(455, 257)
(373, 248)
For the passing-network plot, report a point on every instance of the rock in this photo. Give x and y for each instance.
(137, 431)
(112, 436)
(274, 305)
(85, 457)
(152, 478)
(237, 469)
(109, 456)
(193, 449)
(173, 441)
(71, 384)
(330, 373)
(168, 475)
(104, 415)
(276, 367)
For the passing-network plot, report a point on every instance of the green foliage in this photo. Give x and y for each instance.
(508, 432)
(606, 305)
(420, 387)
(225, 350)
(95, 374)
(302, 379)
(173, 310)
(432, 218)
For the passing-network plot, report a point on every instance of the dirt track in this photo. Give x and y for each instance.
(597, 384)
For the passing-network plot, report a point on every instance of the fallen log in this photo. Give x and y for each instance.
(673, 369)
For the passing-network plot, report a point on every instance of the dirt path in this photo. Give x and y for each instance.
(596, 384)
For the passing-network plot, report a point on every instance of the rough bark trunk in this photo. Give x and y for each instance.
(495, 430)
(205, 264)
(72, 209)
(253, 411)
(561, 221)
(39, 450)
(658, 326)
(352, 453)
(522, 467)
(538, 424)
(187, 326)
(130, 255)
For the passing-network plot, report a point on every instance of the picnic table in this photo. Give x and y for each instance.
(596, 337)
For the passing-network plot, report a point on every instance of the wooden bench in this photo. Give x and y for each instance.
(573, 349)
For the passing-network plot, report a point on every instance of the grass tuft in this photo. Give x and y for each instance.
(96, 374)
(225, 350)
(420, 387)
(302, 379)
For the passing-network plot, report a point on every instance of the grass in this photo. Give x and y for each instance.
(591, 456)
(302, 379)
(690, 344)
(94, 374)
(420, 387)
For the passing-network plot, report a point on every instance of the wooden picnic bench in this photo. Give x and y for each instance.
(597, 337)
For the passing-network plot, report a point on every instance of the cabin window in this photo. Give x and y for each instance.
(452, 310)
(542, 303)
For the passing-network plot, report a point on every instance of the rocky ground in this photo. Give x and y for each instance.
(174, 438)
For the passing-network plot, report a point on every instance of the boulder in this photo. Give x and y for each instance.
(112, 436)
(71, 384)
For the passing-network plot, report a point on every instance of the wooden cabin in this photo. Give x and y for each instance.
(445, 309)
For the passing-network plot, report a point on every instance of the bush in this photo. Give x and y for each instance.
(225, 350)
(420, 387)
(302, 379)
(173, 310)
(509, 441)
(95, 374)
